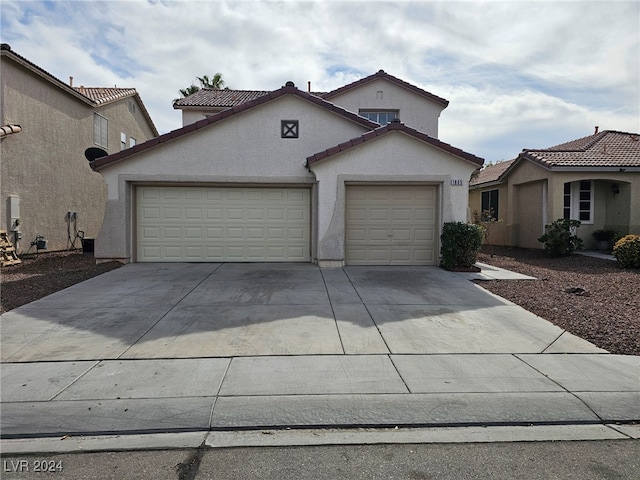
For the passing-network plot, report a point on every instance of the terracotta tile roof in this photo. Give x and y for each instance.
(491, 173)
(94, 97)
(288, 89)
(607, 149)
(9, 129)
(102, 96)
(208, 97)
(394, 126)
(391, 78)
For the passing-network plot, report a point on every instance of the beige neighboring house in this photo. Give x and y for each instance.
(354, 176)
(594, 179)
(48, 188)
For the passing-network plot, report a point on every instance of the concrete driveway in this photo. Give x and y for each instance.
(194, 347)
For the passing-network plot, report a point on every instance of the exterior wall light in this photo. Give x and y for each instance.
(615, 189)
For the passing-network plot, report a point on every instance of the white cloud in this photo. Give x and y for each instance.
(536, 73)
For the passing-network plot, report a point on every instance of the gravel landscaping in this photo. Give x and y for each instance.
(590, 297)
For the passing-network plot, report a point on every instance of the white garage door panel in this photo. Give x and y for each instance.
(391, 225)
(209, 224)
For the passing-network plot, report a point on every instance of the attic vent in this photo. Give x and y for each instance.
(289, 128)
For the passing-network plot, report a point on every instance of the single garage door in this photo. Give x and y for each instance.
(391, 225)
(214, 224)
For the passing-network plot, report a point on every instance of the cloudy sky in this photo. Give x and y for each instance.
(518, 74)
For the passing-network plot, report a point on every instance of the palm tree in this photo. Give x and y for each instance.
(216, 83)
(190, 90)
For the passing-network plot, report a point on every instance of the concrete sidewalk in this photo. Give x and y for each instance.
(152, 348)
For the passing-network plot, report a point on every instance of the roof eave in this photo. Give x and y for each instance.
(591, 168)
(32, 67)
(492, 183)
(381, 74)
(394, 127)
(117, 157)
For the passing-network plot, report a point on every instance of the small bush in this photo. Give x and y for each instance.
(604, 235)
(461, 243)
(559, 239)
(627, 251)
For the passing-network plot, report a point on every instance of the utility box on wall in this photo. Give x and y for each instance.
(14, 213)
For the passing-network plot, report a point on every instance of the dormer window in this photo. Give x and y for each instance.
(381, 117)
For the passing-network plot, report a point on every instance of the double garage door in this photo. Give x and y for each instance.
(213, 224)
(391, 225)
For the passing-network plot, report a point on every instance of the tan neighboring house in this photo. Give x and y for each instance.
(354, 176)
(594, 179)
(49, 191)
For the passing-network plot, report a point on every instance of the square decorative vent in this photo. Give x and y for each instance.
(289, 128)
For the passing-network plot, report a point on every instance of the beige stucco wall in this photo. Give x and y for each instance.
(414, 110)
(536, 195)
(245, 149)
(392, 158)
(193, 115)
(125, 116)
(498, 232)
(44, 165)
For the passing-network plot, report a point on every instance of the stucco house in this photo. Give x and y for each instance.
(594, 179)
(48, 188)
(290, 175)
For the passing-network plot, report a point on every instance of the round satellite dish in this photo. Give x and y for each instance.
(92, 153)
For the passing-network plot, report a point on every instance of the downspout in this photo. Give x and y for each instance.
(545, 192)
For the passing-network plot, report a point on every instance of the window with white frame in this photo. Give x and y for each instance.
(123, 140)
(132, 141)
(578, 201)
(100, 130)
(381, 117)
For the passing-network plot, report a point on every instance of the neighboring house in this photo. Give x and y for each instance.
(594, 179)
(48, 188)
(208, 101)
(291, 176)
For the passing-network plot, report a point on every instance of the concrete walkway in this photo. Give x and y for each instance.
(152, 348)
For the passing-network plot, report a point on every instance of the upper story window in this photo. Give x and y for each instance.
(123, 140)
(100, 130)
(381, 117)
(490, 204)
(578, 201)
(132, 141)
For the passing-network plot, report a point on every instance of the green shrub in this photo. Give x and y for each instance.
(559, 239)
(627, 251)
(461, 243)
